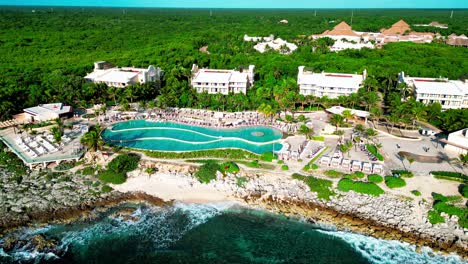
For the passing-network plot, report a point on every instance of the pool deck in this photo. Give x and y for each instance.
(67, 152)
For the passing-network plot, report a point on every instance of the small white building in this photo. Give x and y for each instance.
(338, 110)
(222, 81)
(278, 44)
(256, 39)
(47, 112)
(450, 94)
(104, 72)
(457, 142)
(340, 45)
(328, 84)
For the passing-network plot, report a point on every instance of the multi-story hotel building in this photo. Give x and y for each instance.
(104, 72)
(450, 94)
(222, 81)
(329, 84)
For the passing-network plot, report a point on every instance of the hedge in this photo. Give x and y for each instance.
(323, 188)
(464, 191)
(373, 149)
(450, 175)
(284, 167)
(416, 193)
(394, 182)
(333, 173)
(268, 156)
(231, 154)
(370, 188)
(375, 178)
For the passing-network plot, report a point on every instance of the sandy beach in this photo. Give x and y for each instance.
(173, 187)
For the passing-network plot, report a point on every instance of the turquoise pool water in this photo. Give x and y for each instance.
(168, 136)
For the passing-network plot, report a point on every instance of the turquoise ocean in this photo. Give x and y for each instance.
(205, 233)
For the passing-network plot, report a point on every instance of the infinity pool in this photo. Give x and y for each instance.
(167, 136)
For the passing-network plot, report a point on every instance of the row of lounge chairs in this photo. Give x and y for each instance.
(351, 165)
(37, 146)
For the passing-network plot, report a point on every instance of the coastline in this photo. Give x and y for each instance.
(265, 191)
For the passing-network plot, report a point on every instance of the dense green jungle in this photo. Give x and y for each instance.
(45, 53)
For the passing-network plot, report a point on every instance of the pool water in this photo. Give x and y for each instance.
(168, 136)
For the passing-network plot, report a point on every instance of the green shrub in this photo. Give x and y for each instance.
(370, 188)
(280, 161)
(314, 166)
(318, 138)
(284, 167)
(446, 199)
(268, 156)
(416, 193)
(229, 167)
(124, 163)
(207, 172)
(442, 204)
(113, 177)
(373, 149)
(464, 191)
(106, 189)
(323, 188)
(450, 175)
(434, 217)
(88, 171)
(355, 175)
(333, 174)
(402, 173)
(375, 178)
(241, 181)
(65, 166)
(394, 182)
(254, 164)
(306, 168)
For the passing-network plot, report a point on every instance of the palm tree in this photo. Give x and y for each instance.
(92, 140)
(340, 133)
(267, 110)
(346, 147)
(305, 130)
(336, 120)
(360, 128)
(370, 133)
(57, 133)
(348, 115)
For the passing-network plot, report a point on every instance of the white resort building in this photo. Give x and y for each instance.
(104, 72)
(222, 81)
(328, 84)
(47, 112)
(450, 94)
(457, 142)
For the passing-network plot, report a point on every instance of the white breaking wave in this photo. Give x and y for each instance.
(381, 251)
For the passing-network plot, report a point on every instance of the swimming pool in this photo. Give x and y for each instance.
(168, 136)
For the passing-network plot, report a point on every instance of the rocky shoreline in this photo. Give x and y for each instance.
(386, 216)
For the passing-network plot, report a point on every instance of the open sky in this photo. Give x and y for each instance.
(250, 3)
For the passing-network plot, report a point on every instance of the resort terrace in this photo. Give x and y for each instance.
(40, 149)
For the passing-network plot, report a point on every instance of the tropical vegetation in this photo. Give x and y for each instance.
(46, 54)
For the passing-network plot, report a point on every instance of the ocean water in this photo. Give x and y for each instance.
(168, 136)
(206, 233)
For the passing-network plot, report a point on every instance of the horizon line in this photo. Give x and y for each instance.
(247, 8)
